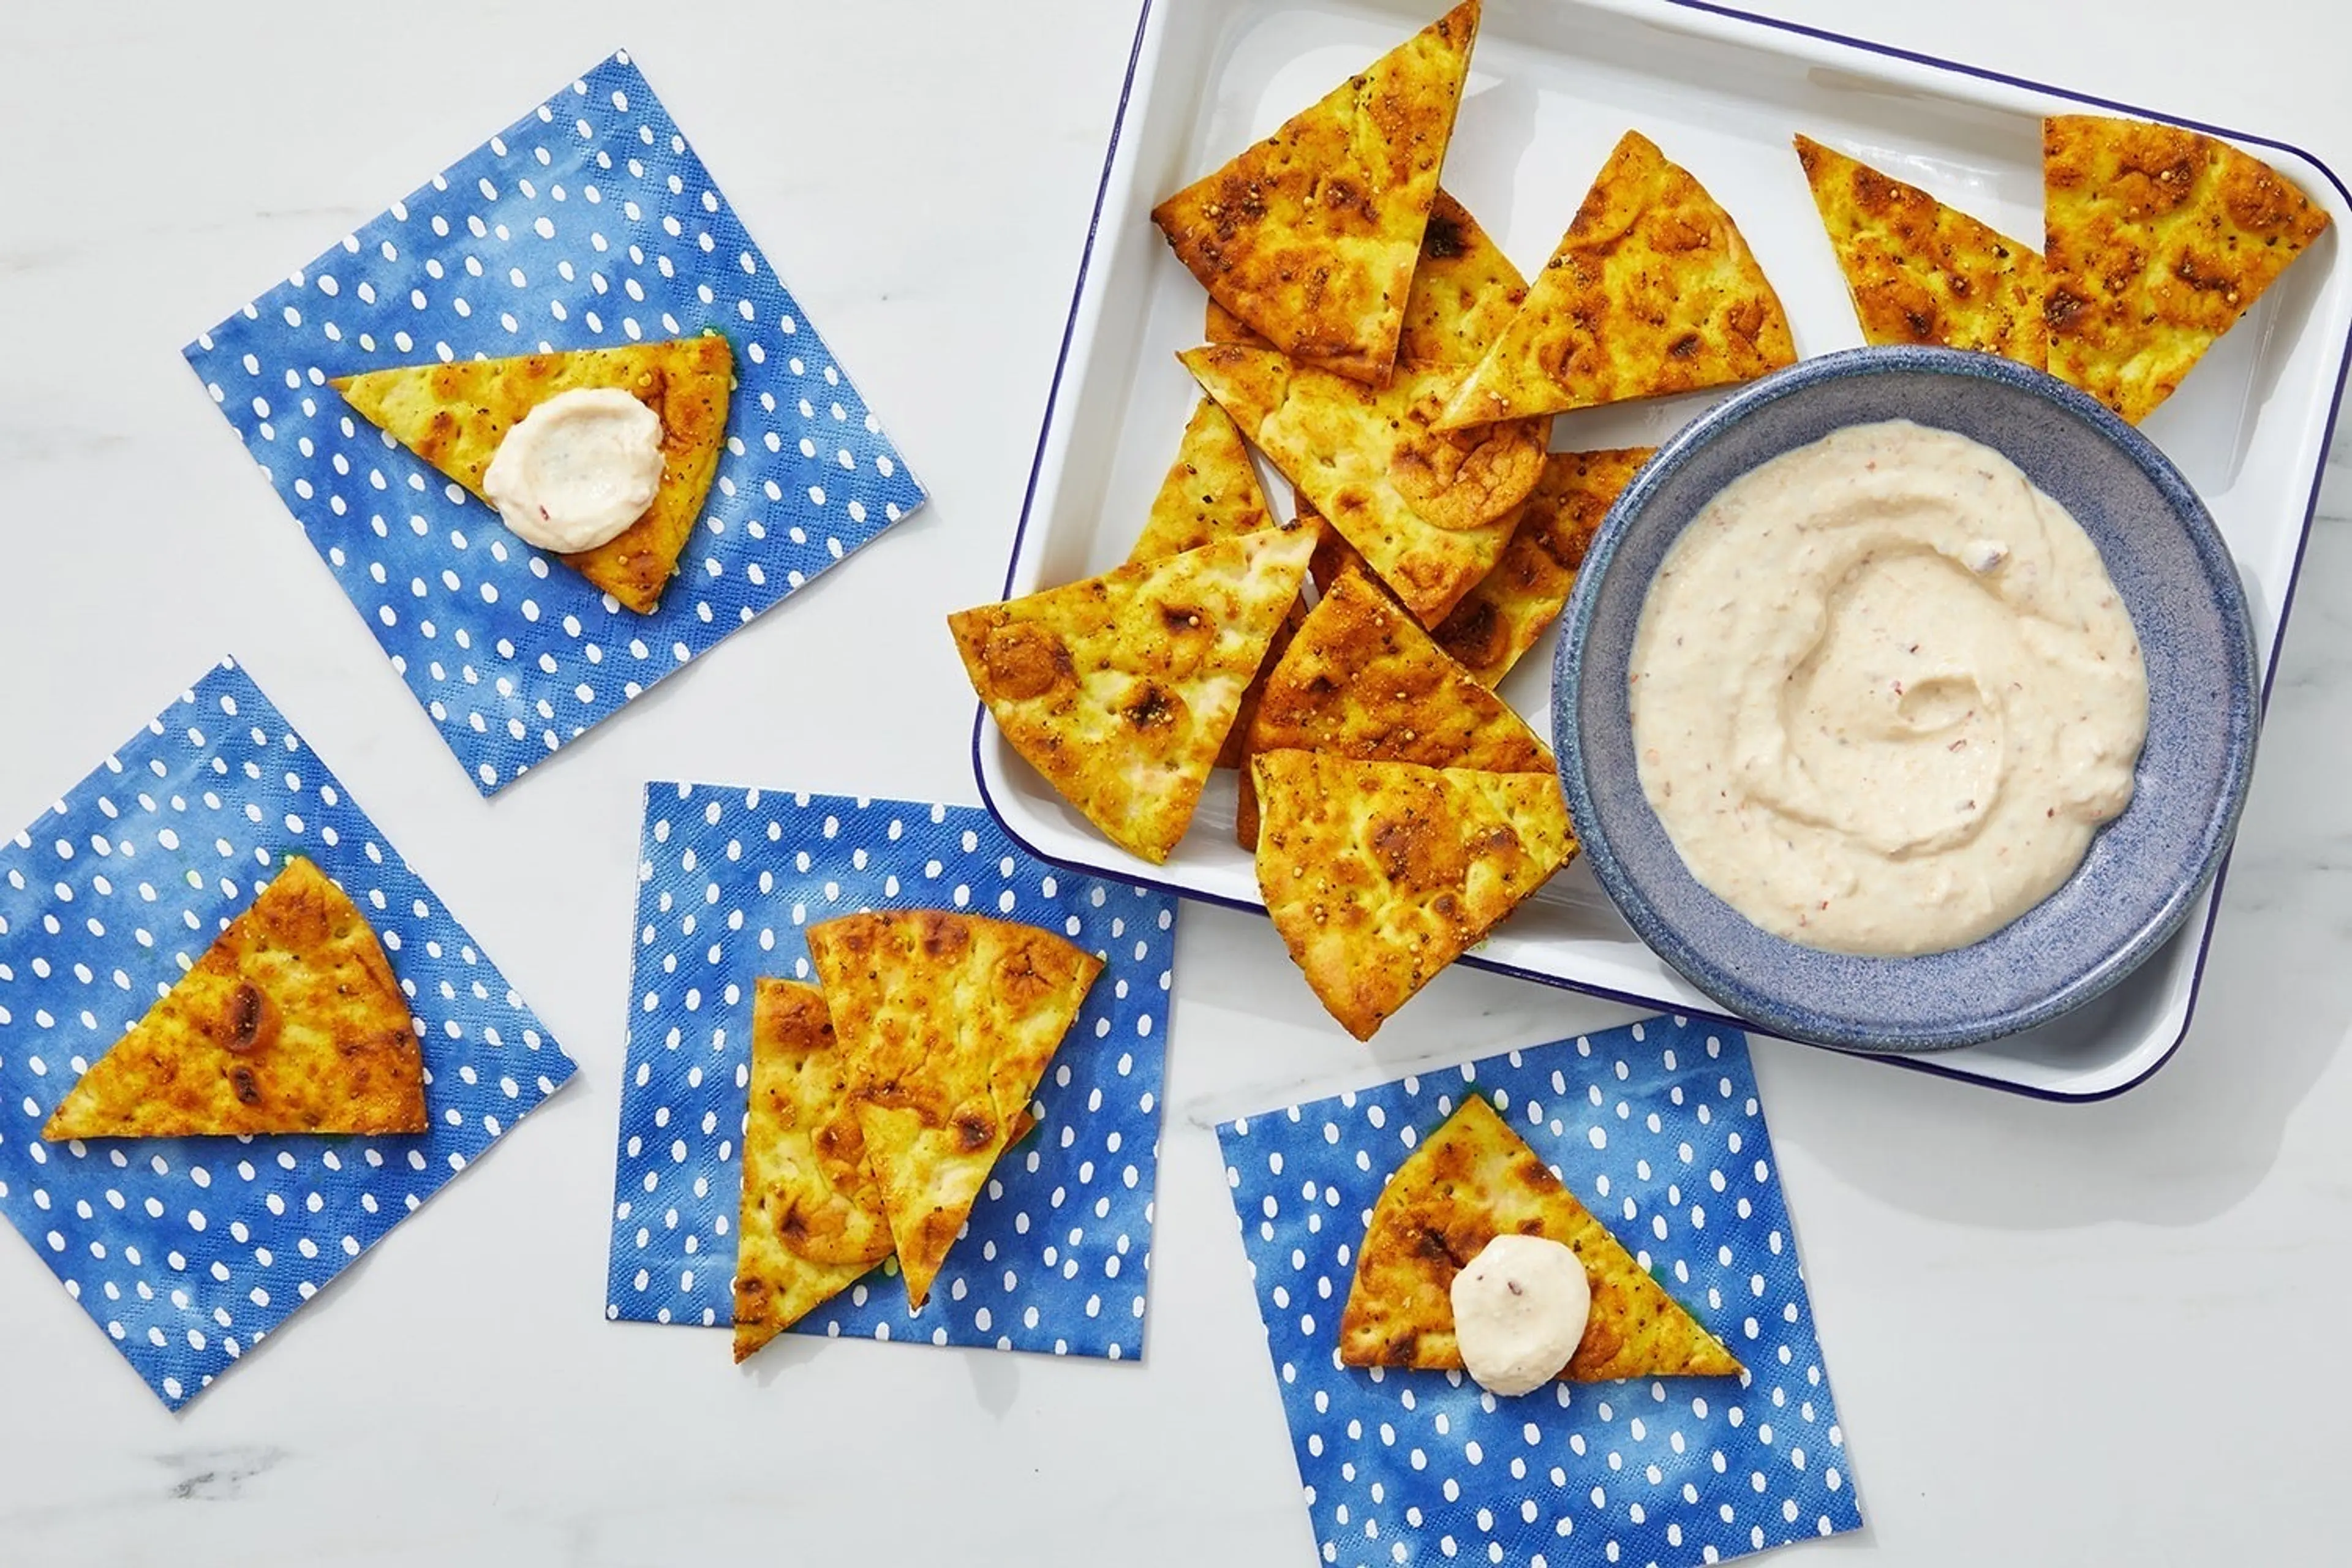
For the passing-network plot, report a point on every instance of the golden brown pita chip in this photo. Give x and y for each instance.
(455, 415)
(1362, 681)
(1211, 493)
(1310, 237)
(290, 1021)
(1222, 326)
(1921, 272)
(1464, 291)
(811, 1218)
(1377, 875)
(1430, 513)
(1508, 612)
(2158, 240)
(1121, 688)
(1650, 291)
(946, 1023)
(1470, 1181)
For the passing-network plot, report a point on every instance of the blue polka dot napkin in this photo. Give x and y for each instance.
(1058, 1246)
(187, 1251)
(1656, 1128)
(587, 223)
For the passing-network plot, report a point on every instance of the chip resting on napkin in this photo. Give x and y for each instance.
(187, 1251)
(588, 223)
(729, 882)
(1654, 1128)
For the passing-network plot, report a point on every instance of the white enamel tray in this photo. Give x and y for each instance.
(1552, 85)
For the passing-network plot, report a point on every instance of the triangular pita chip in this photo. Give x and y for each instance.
(946, 1023)
(2158, 240)
(455, 415)
(1430, 513)
(1211, 493)
(1361, 681)
(1650, 291)
(290, 1021)
(1464, 290)
(1468, 1181)
(1508, 612)
(1120, 689)
(811, 1219)
(1921, 272)
(1310, 237)
(1377, 875)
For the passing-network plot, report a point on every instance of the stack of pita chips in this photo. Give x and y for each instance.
(2158, 239)
(880, 1102)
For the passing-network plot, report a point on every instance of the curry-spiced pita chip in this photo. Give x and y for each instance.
(454, 416)
(1377, 875)
(1508, 612)
(289, 1022)
(811, 1221)
(1211, 493)
(1473, 1179)
(1362, 681)
(1311, 235)
(1921, 272)
(1120, 689)
(1430, 512)
(2158, 240)
(946, 1023)
(1652, 291)
(1464, 291)
(1220, 325)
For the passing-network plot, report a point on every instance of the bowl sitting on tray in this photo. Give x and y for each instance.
(2145, 870)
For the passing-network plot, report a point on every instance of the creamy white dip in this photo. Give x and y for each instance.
(1519, 1309)
(1883, 692)
(577, 469)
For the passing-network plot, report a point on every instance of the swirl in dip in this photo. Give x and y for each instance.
(1883, 692)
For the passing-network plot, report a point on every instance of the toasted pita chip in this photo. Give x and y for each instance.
(1650, 291)
(1211, 493)
(1377, 875)
(811, 1218)
(1120, 689)
(946, 1024)
(1430, 513)
(1220, 325)
(1507, 612)
(1310, 237)
(454, 416)
(1470, 1181)
(2158, 240)
(1362, 681)
(1921, 272)
(289, 1022)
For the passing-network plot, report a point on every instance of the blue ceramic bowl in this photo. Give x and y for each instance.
(2145, 870)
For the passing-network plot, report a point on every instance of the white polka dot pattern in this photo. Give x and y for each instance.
(1657, 1129)
(187, 1251)
(588, 223)
(1056, 1254)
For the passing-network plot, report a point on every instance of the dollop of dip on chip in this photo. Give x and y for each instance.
(1519, 1309)
(1883, 692)
(578, 470)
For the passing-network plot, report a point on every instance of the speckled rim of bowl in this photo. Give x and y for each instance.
(1792, 1019)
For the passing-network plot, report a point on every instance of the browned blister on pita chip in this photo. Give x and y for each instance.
(946, 1023)
(1310, 237)
(1120, 689)
(289, 1022)
(1921, 272)
(1507, 612)
(1474, 1179)
(2158, 240)
(1379, 875)
(1650, 291)
(811, 1221)
(455, 415)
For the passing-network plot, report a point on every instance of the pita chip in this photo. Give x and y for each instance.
(1474, 1179)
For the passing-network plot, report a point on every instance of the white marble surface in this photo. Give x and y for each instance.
(2060, 1334)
